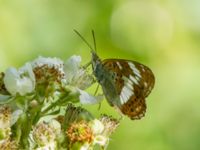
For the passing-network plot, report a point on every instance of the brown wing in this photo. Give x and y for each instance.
(133, 82)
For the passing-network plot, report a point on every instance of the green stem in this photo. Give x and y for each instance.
(26, 124)
(49, 107)
(25, 130)
(59, 102)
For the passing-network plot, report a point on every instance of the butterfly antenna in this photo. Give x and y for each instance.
(83, 39)
(94, 40)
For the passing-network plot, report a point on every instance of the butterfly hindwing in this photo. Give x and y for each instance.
(133, 82)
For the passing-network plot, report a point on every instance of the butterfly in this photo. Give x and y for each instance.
(125, 83)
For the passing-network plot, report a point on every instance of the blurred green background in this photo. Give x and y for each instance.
(164, 35)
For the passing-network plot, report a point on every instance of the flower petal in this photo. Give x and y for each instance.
(10, 80)
(51, 62)
(85, 146)
(25, 85)
(22, 81)
(86, 98)
(101, 140)
(71, 67)
(97, 126)
(27, 68)
(15, 116)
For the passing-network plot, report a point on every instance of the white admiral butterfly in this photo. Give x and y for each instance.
(125, 83)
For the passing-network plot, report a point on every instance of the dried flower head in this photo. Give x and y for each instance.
(48, 70)
(76, 114)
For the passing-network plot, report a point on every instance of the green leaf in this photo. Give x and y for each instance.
(4, 99)
(53, 113)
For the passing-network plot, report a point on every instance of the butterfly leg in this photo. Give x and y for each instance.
(99, 106)
(97, 88)
(86, 65)
(95, 93)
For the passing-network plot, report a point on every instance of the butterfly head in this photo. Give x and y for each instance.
(97, 66)
(95, 60)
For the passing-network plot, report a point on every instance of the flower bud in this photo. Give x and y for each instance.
(33, 104)
(76, 114)
(3, 89)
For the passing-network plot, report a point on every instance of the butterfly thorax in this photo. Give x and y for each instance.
(96, 66)
(104, 78)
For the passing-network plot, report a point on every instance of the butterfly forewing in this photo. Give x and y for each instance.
(133, 82)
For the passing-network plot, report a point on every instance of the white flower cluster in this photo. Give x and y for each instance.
(37, 110)
(80, 134)
(44, 135)
(69, 74)
(86, 135)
